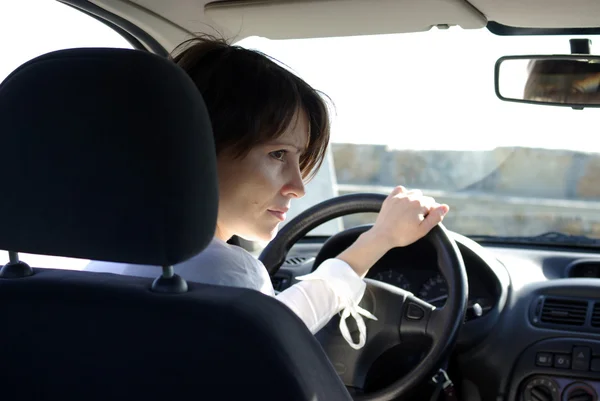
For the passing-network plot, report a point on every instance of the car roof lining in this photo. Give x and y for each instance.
(171, 22)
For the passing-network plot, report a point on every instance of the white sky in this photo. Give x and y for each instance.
(430, 90)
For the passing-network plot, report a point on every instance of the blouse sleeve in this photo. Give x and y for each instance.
(331, 288)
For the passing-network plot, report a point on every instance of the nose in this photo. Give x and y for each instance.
(294, 186)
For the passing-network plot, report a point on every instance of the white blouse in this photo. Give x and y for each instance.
(331, 288)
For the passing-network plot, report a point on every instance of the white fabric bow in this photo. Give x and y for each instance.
(355, 311)
(349, 307)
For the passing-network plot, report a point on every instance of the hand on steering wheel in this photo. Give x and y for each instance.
(405, 217)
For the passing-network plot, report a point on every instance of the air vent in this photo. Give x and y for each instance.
(297, 260)
(564, 311)
(596, 315)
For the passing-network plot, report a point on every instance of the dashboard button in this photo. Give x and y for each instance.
(415, 312)
(562, 361)
(543, 359)
(595, 365)
(581, 358)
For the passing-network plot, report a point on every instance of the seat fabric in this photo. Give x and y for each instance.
(108, 155)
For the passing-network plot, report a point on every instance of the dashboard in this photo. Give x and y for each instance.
(414, 269)
(425, 281)
(532, 332)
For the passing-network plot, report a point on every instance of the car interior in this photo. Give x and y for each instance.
(108, 155)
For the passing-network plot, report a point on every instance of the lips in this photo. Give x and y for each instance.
(280, 214)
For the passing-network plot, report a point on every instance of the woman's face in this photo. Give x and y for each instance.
(255, 191)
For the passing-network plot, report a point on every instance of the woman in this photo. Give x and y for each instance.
(271, 133)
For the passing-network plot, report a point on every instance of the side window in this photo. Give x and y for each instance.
(30, 28)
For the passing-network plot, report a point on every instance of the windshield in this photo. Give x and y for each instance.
(419, 110)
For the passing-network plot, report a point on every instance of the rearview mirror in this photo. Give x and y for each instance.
(569, 80)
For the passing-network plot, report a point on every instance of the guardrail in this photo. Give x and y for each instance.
(482, 197)
(480, 213)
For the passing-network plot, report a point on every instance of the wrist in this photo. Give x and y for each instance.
(365, 252)
(375, 242)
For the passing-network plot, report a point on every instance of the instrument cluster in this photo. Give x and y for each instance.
(429, 285)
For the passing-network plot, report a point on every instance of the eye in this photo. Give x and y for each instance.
(278, 155)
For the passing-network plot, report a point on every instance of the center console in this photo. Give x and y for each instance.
(559, 369)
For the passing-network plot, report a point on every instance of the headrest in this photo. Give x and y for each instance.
(107, 154)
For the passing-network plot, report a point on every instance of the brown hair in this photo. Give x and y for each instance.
(556, 80)
(252, 99)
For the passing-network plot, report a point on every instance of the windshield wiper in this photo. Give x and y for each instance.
(549, 238)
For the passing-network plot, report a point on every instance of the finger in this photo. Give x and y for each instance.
(398, 190)
(434, 218)
(427, 206)
(443, 210)
(415, 192)
(424, 203)
(429, 203)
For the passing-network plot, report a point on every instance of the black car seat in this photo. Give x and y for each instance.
(108, 154)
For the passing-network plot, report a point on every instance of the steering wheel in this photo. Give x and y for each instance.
(401, 316)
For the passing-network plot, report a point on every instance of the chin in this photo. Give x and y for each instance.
(262, 235)
(268, 236)
(270, 233)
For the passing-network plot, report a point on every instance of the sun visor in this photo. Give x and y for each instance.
(542, 13)
(326, 18)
